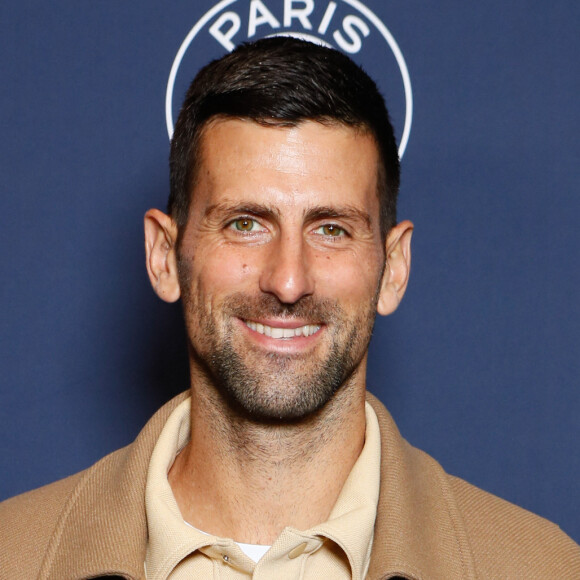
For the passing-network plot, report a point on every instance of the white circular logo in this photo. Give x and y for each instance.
(346, 25)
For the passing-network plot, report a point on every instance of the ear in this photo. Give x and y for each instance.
(161, 258)
(397, 267)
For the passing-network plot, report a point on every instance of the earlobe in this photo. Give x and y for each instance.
(160, 254)
(397, 268)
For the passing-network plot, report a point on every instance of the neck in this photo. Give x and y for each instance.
(247, 481)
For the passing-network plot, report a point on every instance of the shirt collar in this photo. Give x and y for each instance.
(350, 524)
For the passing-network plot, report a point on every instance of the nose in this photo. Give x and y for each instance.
(287, 273)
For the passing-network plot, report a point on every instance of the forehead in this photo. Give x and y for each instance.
(307, 164)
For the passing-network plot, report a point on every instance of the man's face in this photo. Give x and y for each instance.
(280, 264)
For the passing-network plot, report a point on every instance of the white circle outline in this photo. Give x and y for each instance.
(355, 4)
(402, 67)
(179, 57)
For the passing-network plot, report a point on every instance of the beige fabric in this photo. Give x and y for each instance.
(338, 549)
(429, 526)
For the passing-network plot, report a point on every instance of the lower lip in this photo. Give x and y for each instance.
(285, 345)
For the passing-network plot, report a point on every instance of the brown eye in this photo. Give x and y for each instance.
(245, 225)
(331, 230)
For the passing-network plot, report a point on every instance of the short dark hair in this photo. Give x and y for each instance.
(282, 81)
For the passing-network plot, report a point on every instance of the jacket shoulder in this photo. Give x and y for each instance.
(28, 521)
(508, 541)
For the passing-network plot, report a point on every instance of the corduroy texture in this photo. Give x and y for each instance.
(430, 526)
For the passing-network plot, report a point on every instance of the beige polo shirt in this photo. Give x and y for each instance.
(338, 548)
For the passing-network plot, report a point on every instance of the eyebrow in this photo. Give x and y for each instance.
(257, 209)
(341, 212)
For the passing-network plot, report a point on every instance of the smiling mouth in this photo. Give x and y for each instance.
(281, 333)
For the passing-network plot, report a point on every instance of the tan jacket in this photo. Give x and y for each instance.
(430, 525)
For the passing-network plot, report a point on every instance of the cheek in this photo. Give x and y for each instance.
(223, 271)
(351, 279)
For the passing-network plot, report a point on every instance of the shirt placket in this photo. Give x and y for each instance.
(287, 558)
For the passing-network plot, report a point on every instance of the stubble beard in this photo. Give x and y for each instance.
(274, 387)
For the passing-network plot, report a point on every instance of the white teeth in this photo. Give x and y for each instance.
(274, 332)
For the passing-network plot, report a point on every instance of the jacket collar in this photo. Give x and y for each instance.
(418, 532)
(103, 527)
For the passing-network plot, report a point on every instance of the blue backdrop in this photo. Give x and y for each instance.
(479, 366)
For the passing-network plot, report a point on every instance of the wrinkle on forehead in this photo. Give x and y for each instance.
(292, 156)
(297, 149)
(311, 163)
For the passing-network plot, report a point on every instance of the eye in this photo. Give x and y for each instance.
(247, 225)
(330, 230)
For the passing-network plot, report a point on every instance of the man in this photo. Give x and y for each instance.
(282, 242)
